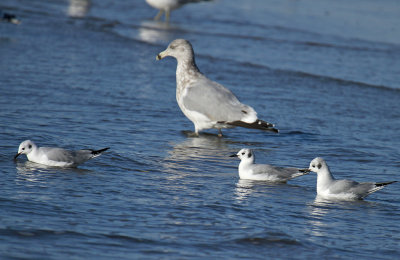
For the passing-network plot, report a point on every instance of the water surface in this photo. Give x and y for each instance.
(86, 77)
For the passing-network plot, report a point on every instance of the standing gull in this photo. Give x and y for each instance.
(205, 102)
(166, 6)
(330, 188)
(52, 156)
(264, 172)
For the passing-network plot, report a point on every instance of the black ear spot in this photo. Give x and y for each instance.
(249, 155)
(319, 166)
(30, 146)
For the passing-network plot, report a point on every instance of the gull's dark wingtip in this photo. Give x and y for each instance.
(381, 184)
(98, 152)
(258, 124)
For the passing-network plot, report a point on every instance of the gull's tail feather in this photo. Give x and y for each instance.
(196, 1)
(99, 152)
(300, 173)
(379, 186)
(382, 184)
(258, 124)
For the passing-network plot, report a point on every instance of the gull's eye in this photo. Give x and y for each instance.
(172, 47)
(313, 165)
(23, 148)
(243, 153)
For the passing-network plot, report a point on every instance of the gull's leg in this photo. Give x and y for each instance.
(158, 16)
(167, 15)
(196, 131)
(219, 132)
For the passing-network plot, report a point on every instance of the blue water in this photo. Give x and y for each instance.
(326, 72)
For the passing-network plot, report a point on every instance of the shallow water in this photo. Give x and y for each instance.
(326, 74)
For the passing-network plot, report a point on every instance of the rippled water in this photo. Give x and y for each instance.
(326, 74)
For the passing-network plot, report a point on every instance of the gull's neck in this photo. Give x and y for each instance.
(324, 179)
(34, 153)
(186, 70)
(245, 163)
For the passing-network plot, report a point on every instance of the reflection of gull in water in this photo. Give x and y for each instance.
(155, 32)
(78, 8)
(243, 189)
(191, 154)
(166, 6)
(30, 171)
(317, 225)
(320, 211)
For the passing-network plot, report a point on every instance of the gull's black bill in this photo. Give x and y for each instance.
(15, 157)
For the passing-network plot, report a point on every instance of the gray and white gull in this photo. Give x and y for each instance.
(207, 103)
(52, 156)
(330, 188)
(264, 172)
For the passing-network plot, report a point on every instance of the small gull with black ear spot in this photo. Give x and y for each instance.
(264, 172)
(53, 156)
(330, 188)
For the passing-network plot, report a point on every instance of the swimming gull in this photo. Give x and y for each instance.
(52, 156)
(168, 5)
(264, 172)
(10, 18)
(205, 102)
(330, 188)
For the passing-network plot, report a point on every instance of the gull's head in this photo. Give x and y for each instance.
(245, 155)
(25, 147)
(318, 165)
(179, 48)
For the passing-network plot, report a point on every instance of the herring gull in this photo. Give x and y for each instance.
(205, 102)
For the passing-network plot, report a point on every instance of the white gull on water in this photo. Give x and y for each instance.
(205, 102)
(53, 156)
(264, 172)
(330, 188)
(166, 6)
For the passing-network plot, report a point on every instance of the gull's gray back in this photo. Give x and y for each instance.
(62, 155)
(57, 154)
(349, 186)
(280, 172)
(215, 101)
